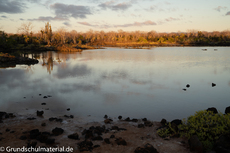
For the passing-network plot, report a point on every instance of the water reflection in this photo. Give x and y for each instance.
(134, 83)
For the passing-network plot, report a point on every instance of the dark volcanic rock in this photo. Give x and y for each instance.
(119, 117)
(141, 126)
(121, 141)
(74, 136)
(148, 148)
(163, 121)
(34, 133)
(213, 84)
(40, 113)
(106, 140)
(212, 109)
(23, 137)
(57, 131)
(148, 123)
(68, 109)
(31, 118)
(86, 145)
(106, 116)
(97, 138)
(195, 144)
(43, 103)
(112, 136)
(227, 110)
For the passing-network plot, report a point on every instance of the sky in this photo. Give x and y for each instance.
(114, 15)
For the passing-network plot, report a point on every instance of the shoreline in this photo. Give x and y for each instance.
(116, 136)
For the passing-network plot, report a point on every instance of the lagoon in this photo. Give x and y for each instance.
(134, 83)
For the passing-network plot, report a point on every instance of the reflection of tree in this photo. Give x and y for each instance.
(47, 59)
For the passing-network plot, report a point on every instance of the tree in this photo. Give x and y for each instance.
(48, 32)
(26, 28)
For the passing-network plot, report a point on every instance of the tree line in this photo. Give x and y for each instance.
(46, 36)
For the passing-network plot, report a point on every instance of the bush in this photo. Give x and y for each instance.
(207, 126)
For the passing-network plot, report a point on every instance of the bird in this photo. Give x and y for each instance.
(187, 85)
(184, 89)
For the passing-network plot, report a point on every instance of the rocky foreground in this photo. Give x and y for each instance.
(128, 135)
(110, 135)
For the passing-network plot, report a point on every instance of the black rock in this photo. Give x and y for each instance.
(134, 120)
(119, 117)
(144, 119)
(23, 137)
(86, 145)
(195, 144)
(97, 138)
(34, 133)
(148, 148)
(43, 103)
(213, 84)
(2, 114)
(43, 124)
(115, 128)
(212, 109)
(31, 118)
(40, 94)
(57, 131)
(7, 130)
(227, 110)
(50, 141)
(74, 136)
(68, 109)
(163, 121)
(127, 119)
(106, 140)
(45, 97)
(96, 146)
(176, 122)
(112, 136)
(106, 116)
(121, 141)
(141, 126)
(148, 123)
(40, 113)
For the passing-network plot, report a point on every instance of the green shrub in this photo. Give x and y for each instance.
(207, 126)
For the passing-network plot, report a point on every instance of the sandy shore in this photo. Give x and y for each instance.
(15, 132)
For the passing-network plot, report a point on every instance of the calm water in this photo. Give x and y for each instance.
(129, 82)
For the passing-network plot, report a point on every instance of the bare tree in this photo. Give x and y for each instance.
(26, 28)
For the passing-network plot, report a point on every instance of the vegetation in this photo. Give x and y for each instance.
(25, 39)
(205, 124)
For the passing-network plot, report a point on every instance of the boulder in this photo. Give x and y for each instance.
(148, 148)
(57, 131)
(40, 113)
(74, 136)
(227, 110)
(195, 144)
(212, 109)
(121, 141)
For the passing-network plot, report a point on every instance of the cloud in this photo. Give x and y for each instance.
(12, 6)
(115, 7)
(3, 16)
(67, 24)
(171, 19)
(228, 13)
(146, 23)
(66, 11)
(49, 18)
(219, 8)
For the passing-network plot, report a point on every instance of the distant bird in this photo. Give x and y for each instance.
(213, 84)
(184, 89)
(187, 85)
